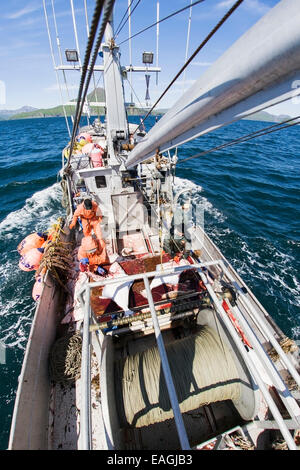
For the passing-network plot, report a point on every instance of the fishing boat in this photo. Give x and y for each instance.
(162, 346)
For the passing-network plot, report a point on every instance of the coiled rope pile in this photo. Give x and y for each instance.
(65, 359)
(203, 371)
(57, 257)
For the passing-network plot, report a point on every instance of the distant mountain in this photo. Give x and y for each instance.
(99, 95)
(267, 117)
(7, 113)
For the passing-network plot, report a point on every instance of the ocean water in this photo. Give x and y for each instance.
(249, 193)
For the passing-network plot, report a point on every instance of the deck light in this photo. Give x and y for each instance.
(147, 57)
(71, 55)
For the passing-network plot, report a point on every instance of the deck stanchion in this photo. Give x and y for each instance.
(85, 413)
(265, 328)
(252, 368)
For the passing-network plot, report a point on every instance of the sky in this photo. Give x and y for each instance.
(27, 76)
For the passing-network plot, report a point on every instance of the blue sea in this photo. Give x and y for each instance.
(249, 192)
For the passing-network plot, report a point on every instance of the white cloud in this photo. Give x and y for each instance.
(186, 82)
(19, 44)
(30, 8)
(256, 6)
(225, 4)
(201, 64)
(55, 87)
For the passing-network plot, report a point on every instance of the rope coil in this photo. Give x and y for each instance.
(57, 257)
(65, 359)
(202, 369)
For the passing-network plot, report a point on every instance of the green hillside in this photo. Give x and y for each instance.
(58, 111)
(267, 117)
(99, 95)
(94, 96)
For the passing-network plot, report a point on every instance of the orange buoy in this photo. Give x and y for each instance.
(31, 259)
(34, 240)
(37, 288)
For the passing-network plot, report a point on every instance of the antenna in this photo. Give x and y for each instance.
(75, 31)
(187, 42)
(157, 37)
(130, 50)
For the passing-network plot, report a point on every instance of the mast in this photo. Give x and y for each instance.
(258, 71)
(116, 117)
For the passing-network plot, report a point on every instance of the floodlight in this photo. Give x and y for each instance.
(147, 57)
(72, 55)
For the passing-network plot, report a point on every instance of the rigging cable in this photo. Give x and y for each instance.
(187, 43)
(75, 30)
(77, 47)
(157, 37)
(274, 128)
(60, 54)
(94, 80)
(117, 29)
(108, 7)
(203, 43)
(132, 89)
(130, 49)
(82, 92)
(128, 17)
(54, 65)
(160, 21)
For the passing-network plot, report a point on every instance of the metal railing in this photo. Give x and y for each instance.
(261, 355)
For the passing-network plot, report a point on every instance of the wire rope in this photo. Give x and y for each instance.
(60, 54)
(91, 39)
(106, 16)
(187, 44)
(54, 65)
(160, 21)
(203, 43)
(117, 29)
(130, 14)
(267, 130)
(88, 33)
(75, 30)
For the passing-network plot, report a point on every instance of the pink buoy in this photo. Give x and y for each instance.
(37, 288)
(86, 136)
(34, 240)
(31, 259)
(96, 157)
(87, 148)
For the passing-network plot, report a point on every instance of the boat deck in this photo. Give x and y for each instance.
(201, 424)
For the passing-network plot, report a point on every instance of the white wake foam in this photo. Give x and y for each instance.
(16, 303)
(198, 198)
(276, 279)
(39, 211)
